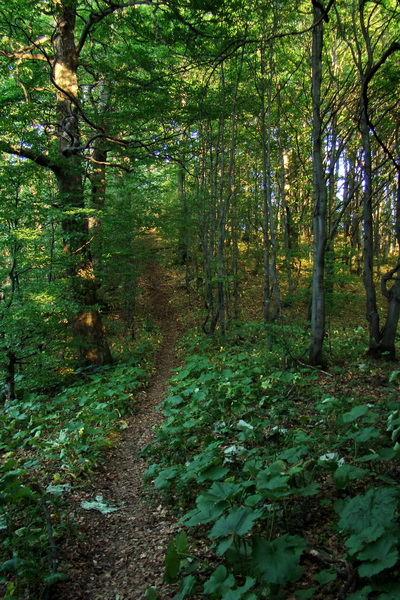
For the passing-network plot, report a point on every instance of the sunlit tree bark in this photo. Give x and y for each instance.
(87, 325)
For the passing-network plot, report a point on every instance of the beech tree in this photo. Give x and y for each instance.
(372, 47)
(261, 162)
(320, 194)
(51, 60)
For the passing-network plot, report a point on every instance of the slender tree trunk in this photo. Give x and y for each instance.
(225, 195)
(235, 261)
(286, 216)
(320, 201)
(184, 241)
(219, 312)
(368, 234)
(10, 376)
(269, 238)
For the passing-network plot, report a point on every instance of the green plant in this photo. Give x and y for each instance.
(250, 450)
(48, 442)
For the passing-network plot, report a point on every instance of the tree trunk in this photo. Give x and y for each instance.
(87, 325)
(368, 249)
(320, 200)
(10, 376)
(388, 334)
(269, 238)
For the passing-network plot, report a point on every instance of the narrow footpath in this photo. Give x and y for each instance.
(122, 553)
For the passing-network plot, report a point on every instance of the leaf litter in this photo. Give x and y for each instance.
(123, 540)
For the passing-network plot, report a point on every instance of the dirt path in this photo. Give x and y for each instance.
(122, 553)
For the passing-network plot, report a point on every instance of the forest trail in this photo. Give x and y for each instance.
(122, 553)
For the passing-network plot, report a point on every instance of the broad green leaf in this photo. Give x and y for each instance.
(293, 455)
(224, 545)
(253, 499)
(174, 400)
(239, 592)
(219, 582)
(308, 490)
(274, 487)
(238, 522)
(186, 587)
(346, 473)
(181, 543)
(55, 578)
(278, 561)
(163, 479)
(325, 576)
(14, 564)
(377, 556)
(394, 375)
(364, 435)
(213, 473)
(377, 506)
(172, 563)
(224, 490)
(387, 453)
(355, 413)
(358, 541)
(205, 513)
(151, 593)
(177, 549)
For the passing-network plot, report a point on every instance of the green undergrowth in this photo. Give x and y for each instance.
(49, 444)
(285, 480)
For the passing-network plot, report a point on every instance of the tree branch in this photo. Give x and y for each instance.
(97, 17)
(388, 277)
(37, 157)
(394, 47)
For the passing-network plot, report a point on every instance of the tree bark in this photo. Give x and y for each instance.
(388, 336)
(87, 324)
(269, 237)
(376, 345)
(320, 199)
(368, 235)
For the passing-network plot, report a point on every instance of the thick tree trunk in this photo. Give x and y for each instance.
(388, 337)
(87, 326)
(320, 201)
(388, 334)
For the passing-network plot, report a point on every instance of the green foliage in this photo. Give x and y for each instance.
(278, 561)
(25, 531)
(250, 446)
(49, 442)
(177, 550)
(371, 519)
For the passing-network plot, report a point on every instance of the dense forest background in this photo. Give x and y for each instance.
(258, 143)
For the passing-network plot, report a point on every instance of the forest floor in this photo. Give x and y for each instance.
(121, 554)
